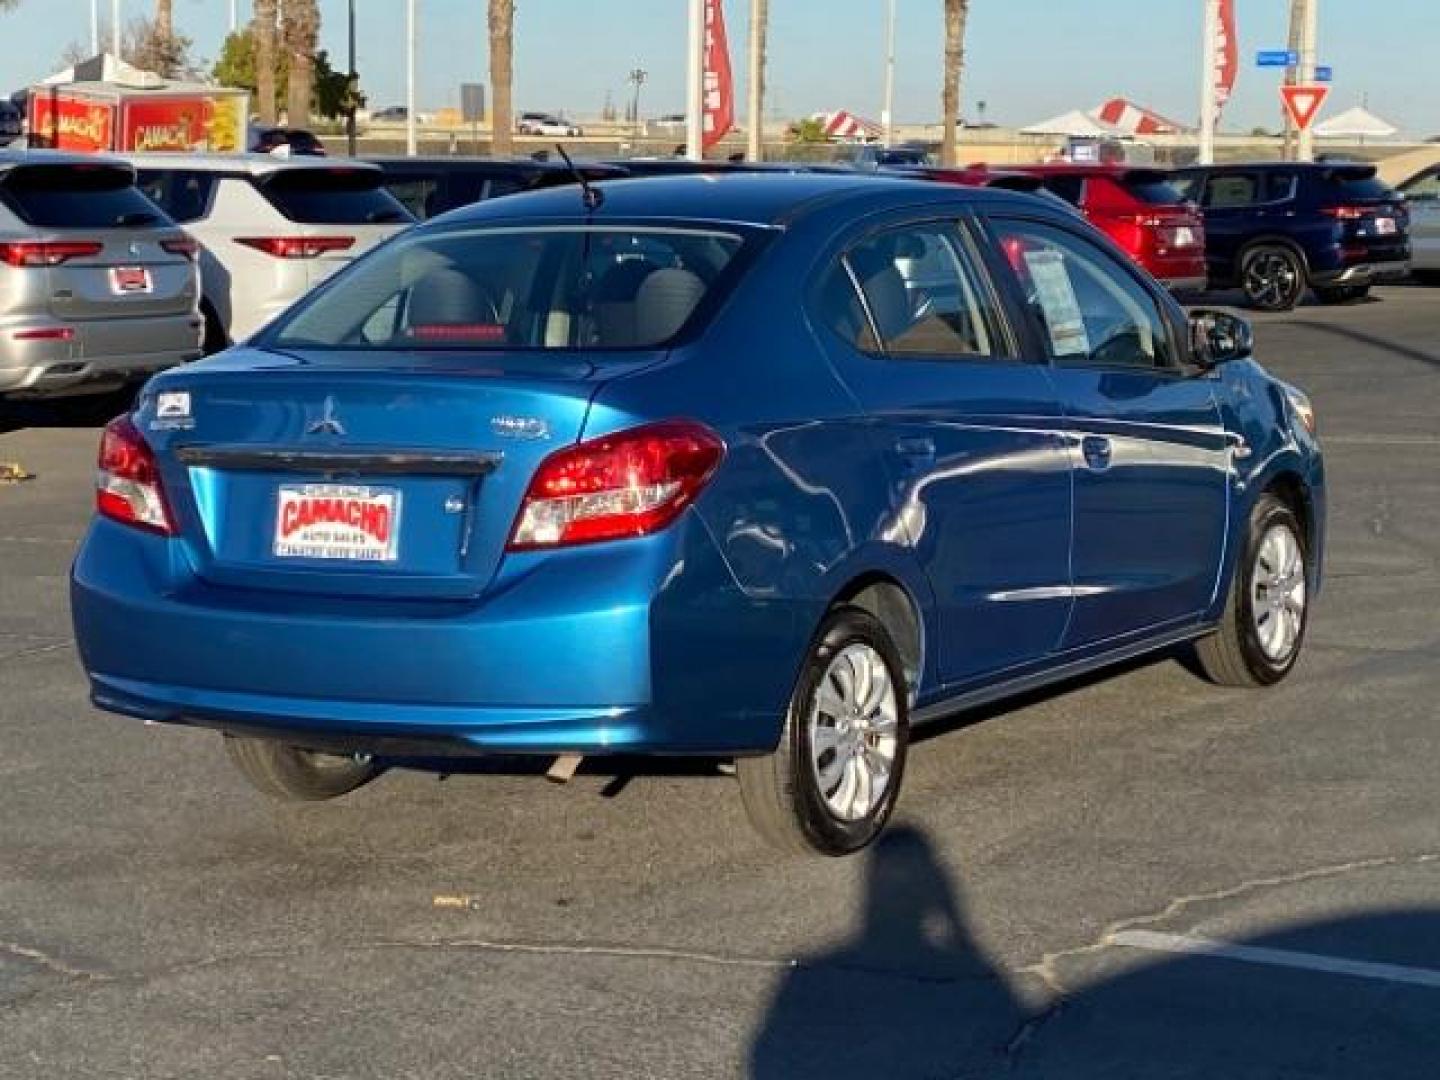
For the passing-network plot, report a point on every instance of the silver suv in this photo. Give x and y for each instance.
(269, 227)
(97, 286)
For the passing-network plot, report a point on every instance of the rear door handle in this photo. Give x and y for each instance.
(1097, 450)
(916, 448)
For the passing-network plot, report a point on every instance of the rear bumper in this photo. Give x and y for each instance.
(1369, 273)
(560, 655)
(1185, 284)
(96, 356)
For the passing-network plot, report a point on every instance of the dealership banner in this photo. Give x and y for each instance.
(719, 80)
(1226, 51)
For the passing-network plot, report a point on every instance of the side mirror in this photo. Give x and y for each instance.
(1218, 337)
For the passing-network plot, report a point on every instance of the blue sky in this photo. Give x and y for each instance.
(1028, 59)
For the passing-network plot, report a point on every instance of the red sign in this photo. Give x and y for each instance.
(1303, 102)
(719, 81)
(167, 124)
(71, 123)
(1227, 51)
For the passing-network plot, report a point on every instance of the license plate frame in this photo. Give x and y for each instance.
(1386, 226)
(337, 523)
(131, 280)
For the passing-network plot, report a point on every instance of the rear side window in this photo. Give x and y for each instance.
(555, 289)
(77, 197)
(1231, 190)
(1356, 184)
(184, 195)
(332, 196)
(922, 298)
(1154, 188)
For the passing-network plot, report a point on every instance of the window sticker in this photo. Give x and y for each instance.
(1056, 295)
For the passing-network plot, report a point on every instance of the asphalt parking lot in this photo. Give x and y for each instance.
(1141, 875)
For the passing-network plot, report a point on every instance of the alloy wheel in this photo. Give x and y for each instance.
(853, 726)
(1278, 593)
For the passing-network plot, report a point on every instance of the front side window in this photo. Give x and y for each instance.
(554, 289)
(1091, 311)
(921, 295)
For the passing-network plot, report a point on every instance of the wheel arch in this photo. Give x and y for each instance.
(1290, 487)
(1271, 240)
(888, 599)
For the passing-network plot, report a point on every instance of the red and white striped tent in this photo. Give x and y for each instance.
(1127, 118)
(846, 126)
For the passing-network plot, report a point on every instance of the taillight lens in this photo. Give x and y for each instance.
(629, 484)
(184, 245)
(297, 247)
(1344, 213)
(47, 252)
(127, 485)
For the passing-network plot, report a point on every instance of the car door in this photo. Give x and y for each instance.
(1422, 197)
(1150, 452)
(970, 434)
(1228, 198)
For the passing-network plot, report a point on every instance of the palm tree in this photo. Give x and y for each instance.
(264, 31)
(956, 12)
(302, 36)
(502, 76)
(165, 20)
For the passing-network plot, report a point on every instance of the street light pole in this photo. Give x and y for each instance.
(887, 114)
(115, 28)
(234, 17)
(411, 135)
(695, 84)
(1309, 32)
(755, 135)
(94, 27)
(1209, 107)
(351, 86)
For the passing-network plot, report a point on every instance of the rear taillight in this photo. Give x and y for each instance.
(1344, 213)
(297, 247)
(47, 252)
(632, 483)
(127, 485)
(184, 245)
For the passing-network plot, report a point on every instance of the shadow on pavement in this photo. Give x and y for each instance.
(84, 411)
(1374, 341)
(913, 995)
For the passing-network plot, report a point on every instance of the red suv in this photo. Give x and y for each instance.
(1141, 211)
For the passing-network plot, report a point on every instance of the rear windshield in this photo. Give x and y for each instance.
(1360, 183)
(77, 197)
(1154, 188)
(555, 289)
(333, 196)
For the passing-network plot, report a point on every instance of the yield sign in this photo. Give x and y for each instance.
(1303, 102)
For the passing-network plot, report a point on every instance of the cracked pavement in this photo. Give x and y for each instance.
(158, 919)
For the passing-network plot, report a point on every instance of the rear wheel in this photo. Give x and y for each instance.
(832, 782)
(1273, 277)
(1342, 294)
(1260, 634)
(288, 772)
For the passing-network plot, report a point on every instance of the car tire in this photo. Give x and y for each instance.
(1272, 277)
(1342, 294)
(215, 339)
(847, 726)
(296, 775)
(1266, 614)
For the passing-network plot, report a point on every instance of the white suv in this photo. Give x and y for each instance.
(534, 123)
(269, 228)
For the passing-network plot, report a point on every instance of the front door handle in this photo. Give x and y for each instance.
(1097, 451)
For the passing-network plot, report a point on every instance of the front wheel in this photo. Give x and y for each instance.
(1273, 277)
(290, 773)
(1260, 634)
(1342, 294)
(832, 782)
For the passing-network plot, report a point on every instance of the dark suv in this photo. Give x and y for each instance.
(1276, 228)
(428, 186)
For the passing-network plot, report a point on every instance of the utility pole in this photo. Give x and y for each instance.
(115, 28)
(887, 114)
(636, 78)
(352, 86)
(94, 27)
(412, 141)
(695, 84)
(755, 135)
(1209, 106)
(234, 17)
(1309, 32)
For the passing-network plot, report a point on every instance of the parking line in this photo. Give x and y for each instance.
(1381, 440)
(1249, 954)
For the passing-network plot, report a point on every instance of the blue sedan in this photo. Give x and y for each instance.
(757, 467)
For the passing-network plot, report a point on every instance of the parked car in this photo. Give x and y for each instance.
(270, 228)
(876, 156)
(428, 186)
(391, 114)
(97, 286)
(1422, 202)
(979, 176)
(533, 123)
(295, 141)
(1276, 229)
(1141, 211)
(764, 468)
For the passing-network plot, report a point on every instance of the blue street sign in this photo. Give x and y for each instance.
(1277, 58)
(1324, 73)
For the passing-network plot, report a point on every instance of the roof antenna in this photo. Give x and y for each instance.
(591, 196)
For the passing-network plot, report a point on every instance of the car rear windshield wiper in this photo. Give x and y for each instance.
(136, 219)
